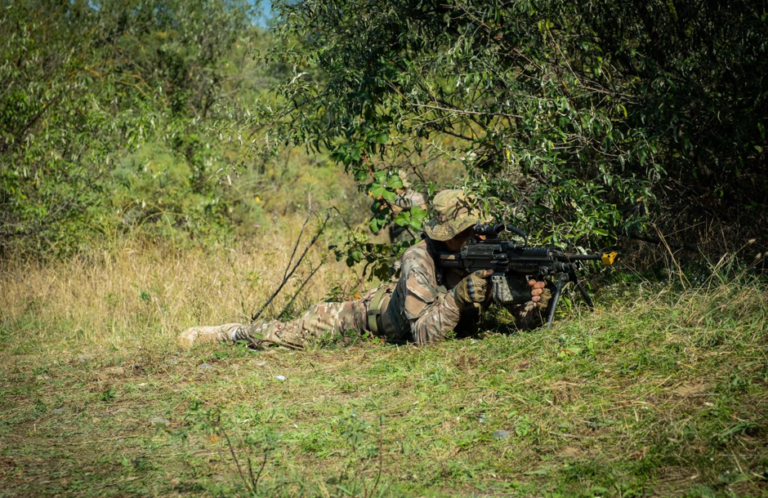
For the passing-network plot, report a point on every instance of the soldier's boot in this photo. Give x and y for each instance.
(208, 334)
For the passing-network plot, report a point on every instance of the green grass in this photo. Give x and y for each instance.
(666, 396)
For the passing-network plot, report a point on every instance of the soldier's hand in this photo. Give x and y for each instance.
(475, 288)
(539, 293)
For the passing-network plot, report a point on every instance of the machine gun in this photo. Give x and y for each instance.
(511, 261)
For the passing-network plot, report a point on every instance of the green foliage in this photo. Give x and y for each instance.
(379, 258)
(112, 115)
(107, 394)
(580, 121)
(583, 117)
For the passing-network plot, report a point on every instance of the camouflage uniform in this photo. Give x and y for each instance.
(407, 198)
(321, 322)
(421, 307)
(405, 201)
(416, 309)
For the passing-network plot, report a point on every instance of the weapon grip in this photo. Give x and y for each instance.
(562, 279)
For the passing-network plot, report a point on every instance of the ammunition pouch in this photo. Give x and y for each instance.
(399, 328)
(373, 314)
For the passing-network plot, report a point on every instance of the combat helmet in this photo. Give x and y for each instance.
(452, 213)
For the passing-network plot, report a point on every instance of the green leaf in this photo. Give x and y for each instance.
(394, 182)
(403, 218)
(377, 191)
(374, 225)
(361, 175)
(418, 214)
(389, 196)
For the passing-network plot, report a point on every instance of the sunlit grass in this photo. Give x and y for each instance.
(132, 293)
(660, 392)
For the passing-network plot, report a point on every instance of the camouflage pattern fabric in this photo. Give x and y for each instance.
(452, 214)
(323, 322)
(417, 300)
(431, 310)
(416, 309)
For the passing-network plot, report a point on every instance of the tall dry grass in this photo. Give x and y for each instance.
(131, 293)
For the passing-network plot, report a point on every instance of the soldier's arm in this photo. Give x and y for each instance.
(432, 314)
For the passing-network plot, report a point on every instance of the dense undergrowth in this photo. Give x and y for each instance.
(582, 122)
(660, 392)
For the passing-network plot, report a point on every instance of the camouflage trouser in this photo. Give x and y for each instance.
(327, 323)
(321, 323)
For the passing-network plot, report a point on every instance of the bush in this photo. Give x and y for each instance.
(113, 114)
(589, 119)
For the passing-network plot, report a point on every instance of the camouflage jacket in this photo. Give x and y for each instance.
(407, 200)
(419, 307)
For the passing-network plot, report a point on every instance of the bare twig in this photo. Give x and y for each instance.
(234, 456)
(296, 245)
(288, 274)
(261, 468)
(454, 110)
(301, 288)
(254, 481)
(346, 223)
(680, 274)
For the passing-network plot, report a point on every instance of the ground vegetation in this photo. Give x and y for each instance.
(661, 392)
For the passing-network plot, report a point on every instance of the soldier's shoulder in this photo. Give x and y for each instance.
(417, 254)
(418, 250)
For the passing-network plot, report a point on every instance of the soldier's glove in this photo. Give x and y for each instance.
(473, 290)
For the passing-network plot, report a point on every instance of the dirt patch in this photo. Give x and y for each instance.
(569, 452)
(466, 363)
(563, 392)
